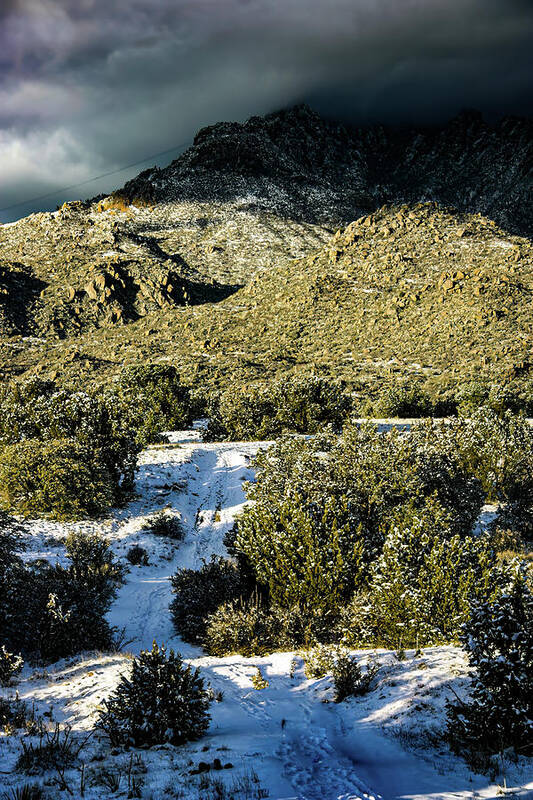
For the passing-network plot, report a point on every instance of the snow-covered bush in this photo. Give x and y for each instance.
(12, 580)
(61, 611)
(403, 400)
(256, 627)
(161, 701)
(137, 556)
(88, 432)
(423, 583)
(247, 628)
(165, 524)
(498, 397)
(348, 677)
(319, 660)
(300, 405)
(153, 400)
(15, 714)
(198, 593)
(497, 449)
(59, 477)
(10, 665)
(321, 508)
(499, 640)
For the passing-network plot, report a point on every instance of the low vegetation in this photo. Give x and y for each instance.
(161, 701)
(52, 611)
(65, 453)
(153, 400)
(498, 638)
(305, 405)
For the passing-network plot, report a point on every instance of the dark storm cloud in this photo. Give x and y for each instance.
(89, 85)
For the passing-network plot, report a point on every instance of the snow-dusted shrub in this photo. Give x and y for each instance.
(403, 400)
(93, 567)
(471, 395)
(321, 508)
(153, 400)
(198, 593)
(137, 555)
(497, 449)
(246, 628)
(255, 627)
(92, 429)
(53, 611)
(348, 677)
(307, 405)
(12, 580)
(10, 665)
(299, 405)
(161, 701)
(58, 477)
(165, 524)
(423, 583)
(499, 640)
(62, 609)
(15, 714)
(498, 397)
(319, 661)
(259, 681)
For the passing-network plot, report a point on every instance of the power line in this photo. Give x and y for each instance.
(181, 146)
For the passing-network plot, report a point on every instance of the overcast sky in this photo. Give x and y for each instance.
(88, 86)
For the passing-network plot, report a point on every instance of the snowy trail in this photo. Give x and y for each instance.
(301, 744)
(201, 482)
(210, 478)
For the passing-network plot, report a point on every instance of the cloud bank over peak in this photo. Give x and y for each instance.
(88, 85)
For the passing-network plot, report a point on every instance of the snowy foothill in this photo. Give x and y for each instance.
(287, 740)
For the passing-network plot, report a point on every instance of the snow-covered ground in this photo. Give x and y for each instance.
(288, 740)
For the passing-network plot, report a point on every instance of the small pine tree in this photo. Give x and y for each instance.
(10, 665)
(162, 701)
(499, 641)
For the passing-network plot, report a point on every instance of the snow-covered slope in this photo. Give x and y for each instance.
(288, 740)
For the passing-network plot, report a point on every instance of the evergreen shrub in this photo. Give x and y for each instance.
(248, 628)
(423, 583)
(497, 449)
(498, 638)
(12, 580)
(299, 405)
(404, 401)
(198, 593)
(498, 397)
(161, 701)
(10, 665)
(74, 430)
(137, 556)
(60, 477)
(60, 611)
(257, 627)
(154, 400)
(348, 677)
(321, 509)
(165, 524)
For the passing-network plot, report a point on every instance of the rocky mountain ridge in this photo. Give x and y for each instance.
(247, 206)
